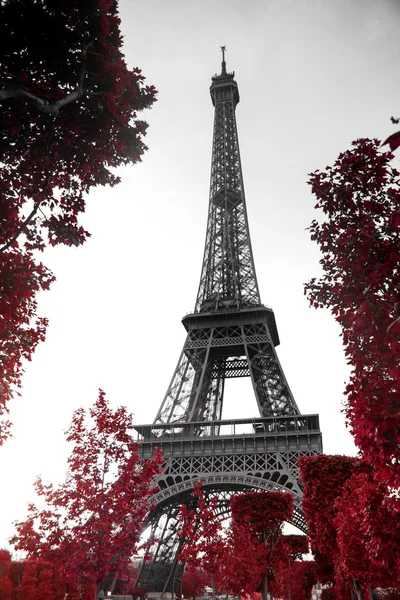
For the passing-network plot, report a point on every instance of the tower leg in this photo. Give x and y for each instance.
(157, 574)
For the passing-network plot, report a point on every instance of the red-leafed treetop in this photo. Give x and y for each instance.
(91, 524)
(262, 512)
(359, 237)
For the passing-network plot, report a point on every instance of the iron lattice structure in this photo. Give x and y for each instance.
(230, 334)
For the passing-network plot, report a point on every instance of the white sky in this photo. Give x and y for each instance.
(313, 75)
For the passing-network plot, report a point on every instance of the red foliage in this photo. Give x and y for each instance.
(91, 524)
(203, 547)
(5, 575)
(125, 586)
(368, 533)
(328, 594)
(296, 546)
(20, 330)
(353, 524)
(259, 517)
(241, 575)
(262, 513)
(16, 573)
(304, 577)
(323, 479)
(393, 141)
(359, 238)
(279, 571)
(69, 109)
(224, 554)
(69, 112)
(43, 579)
(193, 583)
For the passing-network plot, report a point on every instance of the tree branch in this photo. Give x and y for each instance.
(12, 91)
(20, 230)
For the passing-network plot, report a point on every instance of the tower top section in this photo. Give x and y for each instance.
(224, 85)
(228, 278)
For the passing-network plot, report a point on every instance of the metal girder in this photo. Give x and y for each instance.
(209, 356)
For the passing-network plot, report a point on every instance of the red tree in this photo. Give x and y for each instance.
(16, 574)
(91, 524)
(359, 237)
(323, 479)
(5, 575)
(279, 570)
(247, 562)
(125, 586)
(368, 533)
(43, 580)
(203, 546)
(304, 578)
(69, 109)
(262, 514)
(193, 583)
(296, 546)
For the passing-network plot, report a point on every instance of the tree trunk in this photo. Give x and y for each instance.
(264, 588)
(358, 589)
(371, 592)
(213, 586)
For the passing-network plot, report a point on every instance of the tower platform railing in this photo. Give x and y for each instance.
(229, 427)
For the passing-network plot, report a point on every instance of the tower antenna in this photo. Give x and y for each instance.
(223, 49)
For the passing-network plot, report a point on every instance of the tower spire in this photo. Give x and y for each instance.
(223, 71)
(228, 276)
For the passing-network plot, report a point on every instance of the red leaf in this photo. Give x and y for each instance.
(393, 140)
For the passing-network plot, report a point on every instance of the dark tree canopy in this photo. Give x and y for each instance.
(69, 116)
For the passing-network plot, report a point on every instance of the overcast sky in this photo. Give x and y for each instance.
(313, 75)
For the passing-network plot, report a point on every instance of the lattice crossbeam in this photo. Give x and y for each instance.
(196, 390)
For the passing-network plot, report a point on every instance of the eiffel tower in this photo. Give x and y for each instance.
(230, 334)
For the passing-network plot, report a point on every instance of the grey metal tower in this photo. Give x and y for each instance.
(229, 334)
